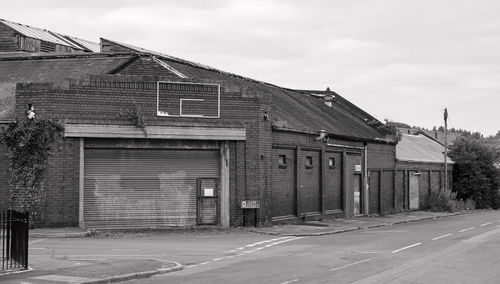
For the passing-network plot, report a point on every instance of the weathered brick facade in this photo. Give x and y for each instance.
(318, 178)
(298, 191)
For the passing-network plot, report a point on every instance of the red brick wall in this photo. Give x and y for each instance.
(309, 194)
(332, 191)
(61, 205)
(284, 200)
(374, 190)
(4, 177)
(388, 193)
(102, 99)
(430, 179)
(381, 156)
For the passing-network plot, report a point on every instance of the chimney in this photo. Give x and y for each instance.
(328, 98)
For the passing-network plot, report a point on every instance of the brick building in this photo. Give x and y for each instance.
(420, 169)
(152, 140)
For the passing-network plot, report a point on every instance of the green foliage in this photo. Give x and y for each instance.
(474, 174)
(7, 107)
(393, 126)
(30, 145)
(135, 116)
(446, 201)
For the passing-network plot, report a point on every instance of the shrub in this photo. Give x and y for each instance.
(446, 202)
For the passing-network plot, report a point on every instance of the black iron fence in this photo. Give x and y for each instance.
(14, 239)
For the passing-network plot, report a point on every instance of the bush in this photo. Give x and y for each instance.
(446, 202)
(474, 173)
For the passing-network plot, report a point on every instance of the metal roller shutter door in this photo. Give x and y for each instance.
(144, 188)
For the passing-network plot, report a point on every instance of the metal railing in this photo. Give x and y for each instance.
(14, 228)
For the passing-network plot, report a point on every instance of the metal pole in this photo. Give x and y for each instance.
(445, 149)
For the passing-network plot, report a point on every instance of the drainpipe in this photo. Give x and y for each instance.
(365, 179)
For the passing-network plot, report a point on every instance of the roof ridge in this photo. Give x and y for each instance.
(190, 63)
(61, 38)
(61, 55)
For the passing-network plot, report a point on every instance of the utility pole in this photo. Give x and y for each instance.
(445, 149)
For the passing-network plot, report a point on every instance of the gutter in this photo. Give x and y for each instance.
(337, 136)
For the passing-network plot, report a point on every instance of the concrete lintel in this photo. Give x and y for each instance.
(154, 132)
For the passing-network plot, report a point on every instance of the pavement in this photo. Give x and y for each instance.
(48, 269)
(335, 226)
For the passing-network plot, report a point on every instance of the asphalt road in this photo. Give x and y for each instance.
(460, 249)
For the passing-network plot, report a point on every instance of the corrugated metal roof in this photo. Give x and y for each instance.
(89, 45)
(37, 33)
(296, 110)
(419, 148)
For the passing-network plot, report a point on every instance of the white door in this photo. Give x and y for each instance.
(414, 189)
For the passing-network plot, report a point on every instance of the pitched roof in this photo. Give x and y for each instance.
(294, 109)
(53, 67)
(46, 35)
(419, 148)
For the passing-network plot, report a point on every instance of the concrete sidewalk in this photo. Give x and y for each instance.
(104, 271)
(56, 269)
(335, 226)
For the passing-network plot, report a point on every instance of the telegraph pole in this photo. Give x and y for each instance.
(445, 149)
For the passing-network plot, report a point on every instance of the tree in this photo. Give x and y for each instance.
(30, 144)
(474, 174)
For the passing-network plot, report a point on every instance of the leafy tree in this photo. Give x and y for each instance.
(30, 144)
(474, 174)
(393, 126)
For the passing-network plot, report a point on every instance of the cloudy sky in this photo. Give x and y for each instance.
(397, 59)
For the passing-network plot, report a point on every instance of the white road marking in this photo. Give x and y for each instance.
(466, 229)
(217, 259)
(206, 262)
(258, 243)
(268, 241)
(125, 249)
(407, 247)
(37, 248)
(440, 237)
(350, 264)
(291, 281)
(485, 224)
(368, 252)
(194, 265)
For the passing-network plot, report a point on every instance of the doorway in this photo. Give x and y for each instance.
(414, 192)
(357, 194)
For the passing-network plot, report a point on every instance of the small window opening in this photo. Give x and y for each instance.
(309, 162)
(282, 161)
(331, 163)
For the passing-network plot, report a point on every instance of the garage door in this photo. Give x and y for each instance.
(144, 188)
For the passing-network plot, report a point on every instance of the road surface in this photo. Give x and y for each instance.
(459, 249)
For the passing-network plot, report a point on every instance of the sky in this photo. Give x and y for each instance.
(401, 60)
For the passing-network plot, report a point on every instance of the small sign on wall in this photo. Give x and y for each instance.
(357, 168)
(208, 192)
(250, 204)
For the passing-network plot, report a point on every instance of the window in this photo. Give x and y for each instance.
(282, 161)
(331, 163)
(309, 162)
